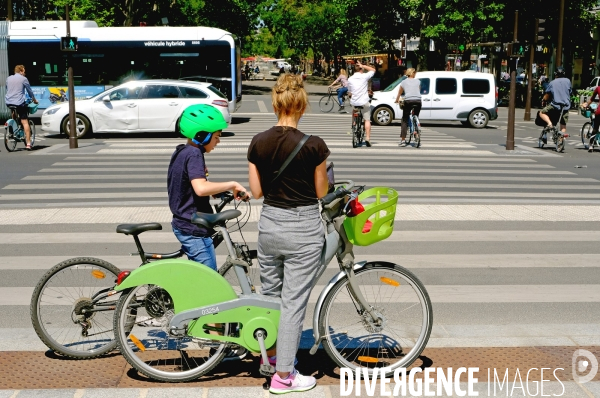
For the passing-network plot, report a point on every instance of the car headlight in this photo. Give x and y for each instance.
(51, 111)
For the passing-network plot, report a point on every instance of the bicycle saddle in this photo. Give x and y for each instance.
(136, 229)
(13, 107)
(211, 220)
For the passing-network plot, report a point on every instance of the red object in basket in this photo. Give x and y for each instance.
(355, 208)
(367, 227)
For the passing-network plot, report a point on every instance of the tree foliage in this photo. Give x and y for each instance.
(327, 29)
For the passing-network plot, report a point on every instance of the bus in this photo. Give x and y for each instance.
(109, 56)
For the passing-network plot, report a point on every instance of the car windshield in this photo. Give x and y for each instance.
(103, 93)
(392, 86)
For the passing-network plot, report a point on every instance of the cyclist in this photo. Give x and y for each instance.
(343, 80)
(16, 86)
(411, 88)
(595, 96)
(559, 90)
(290, 230)
(358, 87)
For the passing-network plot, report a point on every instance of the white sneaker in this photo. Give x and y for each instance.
(294, 383)
(402, 143)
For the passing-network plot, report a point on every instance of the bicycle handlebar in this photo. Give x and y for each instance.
(340, 192)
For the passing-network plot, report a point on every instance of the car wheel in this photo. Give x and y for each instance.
(383, 116)
(82, 126)
(479, 118)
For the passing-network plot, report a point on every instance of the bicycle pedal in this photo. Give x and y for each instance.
(267, 370)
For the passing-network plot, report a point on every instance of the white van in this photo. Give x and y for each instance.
(469, 97)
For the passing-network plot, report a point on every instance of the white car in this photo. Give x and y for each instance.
(136, 106)
(468, 97)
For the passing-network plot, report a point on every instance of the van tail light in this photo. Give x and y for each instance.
(122, 276)
(222, 103)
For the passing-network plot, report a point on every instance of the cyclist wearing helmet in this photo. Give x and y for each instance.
(187, 181)
(559, 90)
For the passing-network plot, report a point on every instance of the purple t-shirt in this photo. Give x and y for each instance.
(187, 163)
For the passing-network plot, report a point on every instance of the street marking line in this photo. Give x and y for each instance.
(262, 107)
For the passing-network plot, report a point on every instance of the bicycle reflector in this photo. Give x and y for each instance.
(122, 276)
(98, 274)
(136, 341)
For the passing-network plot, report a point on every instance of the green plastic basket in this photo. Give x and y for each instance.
(381, 213)
(586, 112)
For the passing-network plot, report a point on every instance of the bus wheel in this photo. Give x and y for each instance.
(82, 126)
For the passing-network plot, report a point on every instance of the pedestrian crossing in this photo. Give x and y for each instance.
(505, 244)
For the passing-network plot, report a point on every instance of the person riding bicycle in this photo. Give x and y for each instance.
(595, 96)
(411, 88)
(16, 86)
(358, 87)
(343, 80)
(290, 230)
(187, 181)
(559, 90)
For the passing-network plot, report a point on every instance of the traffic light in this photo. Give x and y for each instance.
(68, 43)
(538, 29)
(515, 50)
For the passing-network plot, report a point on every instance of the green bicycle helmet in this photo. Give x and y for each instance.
(199, 122)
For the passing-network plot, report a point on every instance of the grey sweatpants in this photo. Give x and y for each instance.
(289, 249)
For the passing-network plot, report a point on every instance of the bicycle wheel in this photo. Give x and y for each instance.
(417, 131)
(141, 326)
(586, 134)
(63, 313)
(9, 141)
(326, 103)
(399, 298)
(355, 133)
(227, 271)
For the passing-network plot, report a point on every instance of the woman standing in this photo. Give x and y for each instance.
(343, 80)
(411, 88)
(290, 230)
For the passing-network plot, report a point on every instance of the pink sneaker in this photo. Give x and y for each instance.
(294, 383)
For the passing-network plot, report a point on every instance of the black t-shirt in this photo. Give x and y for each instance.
(187, 163)
(296, 186)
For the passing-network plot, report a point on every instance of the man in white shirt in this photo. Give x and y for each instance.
(358, 87)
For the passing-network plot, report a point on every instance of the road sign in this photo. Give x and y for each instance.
(68, 43)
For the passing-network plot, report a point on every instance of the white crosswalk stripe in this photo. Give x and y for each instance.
(476, 225)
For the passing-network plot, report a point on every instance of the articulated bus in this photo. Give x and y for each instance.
(108, 56)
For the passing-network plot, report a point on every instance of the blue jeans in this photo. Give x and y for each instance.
(198, 249)
(341, 93)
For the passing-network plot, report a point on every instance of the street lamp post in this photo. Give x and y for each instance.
(71, 90)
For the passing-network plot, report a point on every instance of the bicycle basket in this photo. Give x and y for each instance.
(32, 108)
(586, 112)
(380, 213)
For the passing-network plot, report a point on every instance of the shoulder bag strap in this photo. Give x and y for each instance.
(292, 156)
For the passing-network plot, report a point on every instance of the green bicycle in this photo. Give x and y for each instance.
(176, 319)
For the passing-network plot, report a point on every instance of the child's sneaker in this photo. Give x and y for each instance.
(295, 382)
